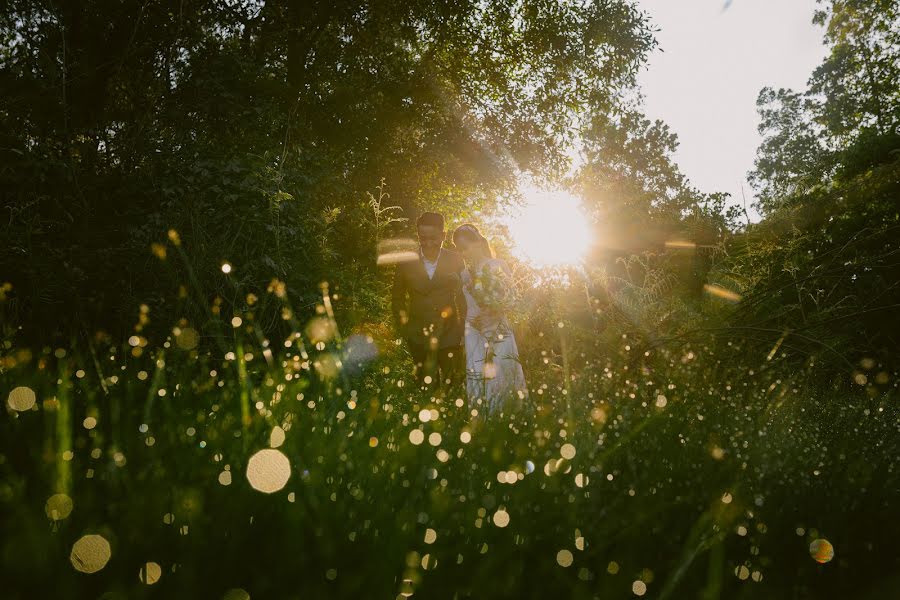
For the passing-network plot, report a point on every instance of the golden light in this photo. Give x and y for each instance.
(550, 229)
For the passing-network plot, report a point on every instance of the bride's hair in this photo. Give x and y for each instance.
(470, 232)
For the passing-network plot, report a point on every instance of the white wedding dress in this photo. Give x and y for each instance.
(494, 377)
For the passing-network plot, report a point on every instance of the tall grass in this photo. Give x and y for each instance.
(686, 467)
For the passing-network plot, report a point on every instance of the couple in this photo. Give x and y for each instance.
(448, 305)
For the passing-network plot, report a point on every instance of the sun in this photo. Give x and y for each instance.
(549, 229)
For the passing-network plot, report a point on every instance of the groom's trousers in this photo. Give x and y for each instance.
(441, 368)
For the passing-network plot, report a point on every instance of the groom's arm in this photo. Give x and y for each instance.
(399, 293)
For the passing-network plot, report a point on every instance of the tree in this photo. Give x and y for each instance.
(656, 232)
(857, 81)
(794, 155)
(819, 270)
(848, 118)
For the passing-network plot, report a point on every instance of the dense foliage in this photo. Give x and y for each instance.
(255, 129)
(821, 270)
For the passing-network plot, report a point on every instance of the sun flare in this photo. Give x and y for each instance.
(549, 229)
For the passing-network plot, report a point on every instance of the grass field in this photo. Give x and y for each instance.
(311, 467)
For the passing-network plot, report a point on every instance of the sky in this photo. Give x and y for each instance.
(713, 58)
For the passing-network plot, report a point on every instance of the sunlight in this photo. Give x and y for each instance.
(550, 229)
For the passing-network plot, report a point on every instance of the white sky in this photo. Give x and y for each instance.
(712, 64)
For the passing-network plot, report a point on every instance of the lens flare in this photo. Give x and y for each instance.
(550, 229)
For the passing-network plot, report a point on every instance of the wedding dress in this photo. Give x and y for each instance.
(494, 377)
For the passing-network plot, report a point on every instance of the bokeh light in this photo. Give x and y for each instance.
(187, 338)
(277, 437)
(58, 507)
(21, 398)
(268, 470)
(501, 518)
(90, 553)
(821, 551)
(416, 437)
(150, 573)
(564, 558)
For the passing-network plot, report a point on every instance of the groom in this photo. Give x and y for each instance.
(429, 307)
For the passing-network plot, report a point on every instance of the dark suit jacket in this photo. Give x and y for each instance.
(430, 308)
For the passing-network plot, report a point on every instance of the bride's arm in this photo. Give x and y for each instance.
(461, 303)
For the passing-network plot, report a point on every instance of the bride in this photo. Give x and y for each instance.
(494, 376)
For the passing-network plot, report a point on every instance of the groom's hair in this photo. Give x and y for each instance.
(431, 219)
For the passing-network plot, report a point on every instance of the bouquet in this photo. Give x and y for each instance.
(492, 289)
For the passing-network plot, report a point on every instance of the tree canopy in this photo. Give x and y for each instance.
(848, 118)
